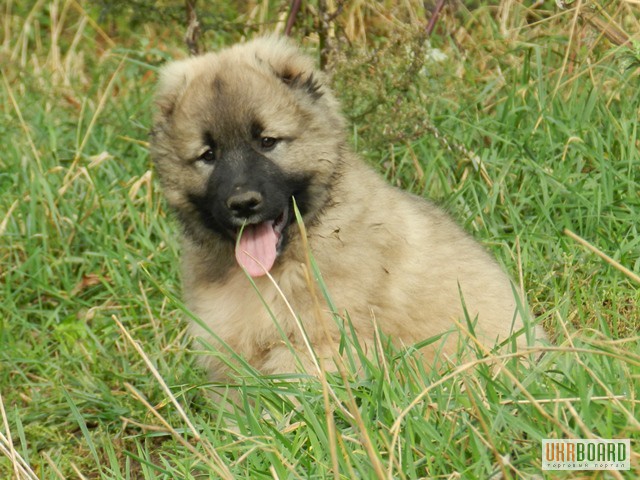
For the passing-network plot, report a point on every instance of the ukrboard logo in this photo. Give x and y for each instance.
(586, 454)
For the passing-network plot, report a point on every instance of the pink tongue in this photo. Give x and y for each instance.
(257, 241)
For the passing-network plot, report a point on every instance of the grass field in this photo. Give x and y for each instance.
(523, 123)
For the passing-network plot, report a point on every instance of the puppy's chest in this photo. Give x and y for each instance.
(262, 312)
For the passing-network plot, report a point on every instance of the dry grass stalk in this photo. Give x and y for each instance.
(617, 265)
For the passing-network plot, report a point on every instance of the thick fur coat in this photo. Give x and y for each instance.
(241, 132)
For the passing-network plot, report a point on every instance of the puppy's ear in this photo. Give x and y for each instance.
(287, 62)
(310, 83)
(174, 79)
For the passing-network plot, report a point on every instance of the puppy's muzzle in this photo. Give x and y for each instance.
(245, 203)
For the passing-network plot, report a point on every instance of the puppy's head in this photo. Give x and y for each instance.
(237, 135)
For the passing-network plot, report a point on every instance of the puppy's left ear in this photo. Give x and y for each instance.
(287, 62)
(309, 83)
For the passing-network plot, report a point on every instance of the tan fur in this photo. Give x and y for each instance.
(387, 257)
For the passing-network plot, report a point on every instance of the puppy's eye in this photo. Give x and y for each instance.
(208, 157)
(267, 143)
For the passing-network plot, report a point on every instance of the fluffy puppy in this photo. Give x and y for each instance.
(238, 135)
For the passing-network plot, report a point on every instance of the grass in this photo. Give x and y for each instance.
(94, 359)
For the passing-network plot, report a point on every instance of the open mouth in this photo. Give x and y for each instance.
(259, 244)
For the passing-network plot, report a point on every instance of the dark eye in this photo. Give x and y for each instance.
(268, 143)
(208, 157)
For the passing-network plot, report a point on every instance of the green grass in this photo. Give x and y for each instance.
(86, 243)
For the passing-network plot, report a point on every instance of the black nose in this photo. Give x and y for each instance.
(245, 203)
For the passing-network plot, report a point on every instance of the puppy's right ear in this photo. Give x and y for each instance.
(173, 81)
